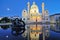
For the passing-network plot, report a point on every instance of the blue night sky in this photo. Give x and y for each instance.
(15, 7)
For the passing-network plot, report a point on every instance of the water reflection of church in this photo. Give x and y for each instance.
(32, 14)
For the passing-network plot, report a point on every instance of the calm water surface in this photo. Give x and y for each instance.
(7, 35)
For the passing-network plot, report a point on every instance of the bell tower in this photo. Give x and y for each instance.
(43, 9)
(28, 5)
(28, 11)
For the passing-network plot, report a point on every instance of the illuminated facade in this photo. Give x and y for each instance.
(32, 14)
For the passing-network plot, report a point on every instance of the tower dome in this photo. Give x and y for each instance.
(34, 8)
(34, 5)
